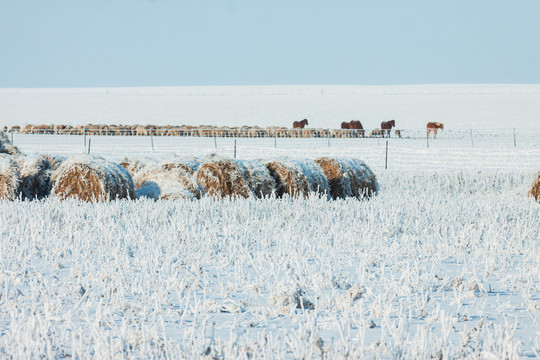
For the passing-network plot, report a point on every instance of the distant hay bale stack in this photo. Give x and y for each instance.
(6, 147)
(349, 178)
(155, 182)
(259, 179)
(221, 177)
(189, 165)
(91, 178)
(9, 178)
(35, 175)
(54, 160)
(535, 188)
(289, 178)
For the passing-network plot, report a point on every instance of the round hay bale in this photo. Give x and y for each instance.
(35, 175)
(221, 177)
(9, 178)
(135, 166)
(259, 179)
(189, 165)
(91, 178)
(158, 183)
(535, 188)
(54, 160)
(289, 178)
(6, 147)
(349, 178)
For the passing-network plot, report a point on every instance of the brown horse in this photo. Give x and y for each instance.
(300, 124)
(387, 126)
(433, 127)
(353, 125)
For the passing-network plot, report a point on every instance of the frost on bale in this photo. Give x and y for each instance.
(6, 147)
(35, 175)
(535, 188)
(135, 166)
(259, 179)
(91, 178)
(221, 177)
(188, 164)
(157, 182)
(349, 178)
(54, 160)
(9, 178)
(298, 178)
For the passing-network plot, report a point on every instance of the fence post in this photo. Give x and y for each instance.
(215, 142)
(427, 138)
(386, 157)
(84, 136)
(152, 141)
(472, 142)
(275, 140)
(514, 137)
(89, 142)
(234, 149)
(14, 143)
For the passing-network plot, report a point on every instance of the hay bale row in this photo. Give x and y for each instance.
(91, 178)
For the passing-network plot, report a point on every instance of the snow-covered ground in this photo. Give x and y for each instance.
(444, 262)
(457, 106)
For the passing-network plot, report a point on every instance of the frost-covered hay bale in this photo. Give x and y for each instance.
(289, 179)
(348, 177)
(9, 178)
(259, 179)
(91, 178)
(298, 178)
(159, 183)
(221, 177)
(6, 147)
(189, 164)
(535, 188)
(54, 160)
(35, 175)
(135, 166)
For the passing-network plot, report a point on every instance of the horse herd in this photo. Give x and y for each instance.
(352, 128)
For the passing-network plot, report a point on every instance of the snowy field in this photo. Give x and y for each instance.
(443, 263)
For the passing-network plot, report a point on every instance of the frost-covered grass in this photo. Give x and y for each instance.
(443, 264)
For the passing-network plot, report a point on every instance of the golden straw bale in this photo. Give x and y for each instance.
(135, 166)
(349, 178)
(259, 179)
(189, 164)
(158, 183)
(535, 188)
(221, 177)
(9, 178)
(6, 147)
(91, 178)
(289, 178)
(35, 175)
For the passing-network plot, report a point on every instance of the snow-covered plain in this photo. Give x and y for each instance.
(444, 262)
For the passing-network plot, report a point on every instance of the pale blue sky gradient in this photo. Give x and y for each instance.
(75, 43)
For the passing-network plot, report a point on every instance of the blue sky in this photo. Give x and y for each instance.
(76, 43)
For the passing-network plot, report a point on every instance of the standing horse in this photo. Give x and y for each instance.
(353, 125)
(300, 124)
(387, 126)
(433, 127)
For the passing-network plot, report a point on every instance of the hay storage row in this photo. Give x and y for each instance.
(91, 178)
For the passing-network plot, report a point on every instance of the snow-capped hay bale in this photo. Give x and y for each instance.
(289, 179)
(348, 177)
(91, 178)
(54, 160)
(535, 188)
(189, 165)
(221, 177)
(298, 177)
(259, 179)
(6, 147)
(35, 176)
(158, 183)
(9, 178)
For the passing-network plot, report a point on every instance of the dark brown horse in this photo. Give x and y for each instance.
(353, 125)
(433, 127)
(387, 126)
(300, 124)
